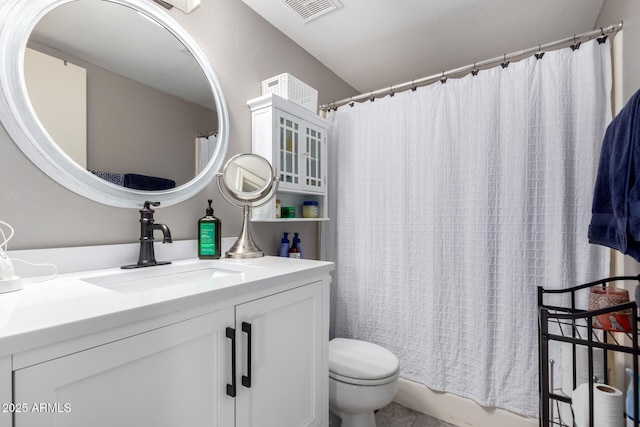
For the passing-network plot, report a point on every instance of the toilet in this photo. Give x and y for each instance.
(363, 377)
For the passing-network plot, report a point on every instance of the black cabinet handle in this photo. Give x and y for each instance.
(246, 379)
(231, 388)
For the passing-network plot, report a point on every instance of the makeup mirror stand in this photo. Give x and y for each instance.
(245, 246)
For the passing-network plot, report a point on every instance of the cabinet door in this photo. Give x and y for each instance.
(288, 148)
(172, 376)
(314, 159)
(286, 362)
(5, 392)
(301, 154)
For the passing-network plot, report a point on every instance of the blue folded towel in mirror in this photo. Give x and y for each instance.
(615, 220)
(144, 182)
(136, 181)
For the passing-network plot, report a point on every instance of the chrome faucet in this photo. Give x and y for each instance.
(147, 256)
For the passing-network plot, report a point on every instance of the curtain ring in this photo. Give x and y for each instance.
(603, 36)
(391, 92)
(443, 80)
(474, 72)
(413, 86)
(540, 54)
(575, 45)
(505, 63)
(371, 97)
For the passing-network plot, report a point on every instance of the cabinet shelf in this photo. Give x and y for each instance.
(563, 322)
(289, 219)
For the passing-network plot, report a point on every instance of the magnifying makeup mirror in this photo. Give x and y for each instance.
(249, 181)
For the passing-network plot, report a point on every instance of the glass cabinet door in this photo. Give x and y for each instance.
(288, 150)
(313, 159)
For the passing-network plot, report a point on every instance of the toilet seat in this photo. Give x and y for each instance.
(360, 381)
(361, 362)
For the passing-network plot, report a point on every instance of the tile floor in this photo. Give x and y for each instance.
(394, 415)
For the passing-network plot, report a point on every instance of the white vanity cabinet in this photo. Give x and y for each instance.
(171, 376)
(180, 371)
(294, 140)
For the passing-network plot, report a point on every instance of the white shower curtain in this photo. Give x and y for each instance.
(205, 147)
(451, 203)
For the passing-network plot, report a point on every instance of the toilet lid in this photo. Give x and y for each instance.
(361, 359)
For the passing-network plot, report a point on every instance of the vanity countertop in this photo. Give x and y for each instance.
(68, 306)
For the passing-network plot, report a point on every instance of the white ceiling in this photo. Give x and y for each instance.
(373, 44)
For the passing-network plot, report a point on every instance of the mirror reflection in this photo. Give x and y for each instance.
(248, 177)
(121, 95)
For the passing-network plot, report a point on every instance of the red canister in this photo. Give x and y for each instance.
(617, 321)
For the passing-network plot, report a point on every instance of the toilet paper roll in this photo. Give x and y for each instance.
(582, 373)
(582, 366)
(608, 406)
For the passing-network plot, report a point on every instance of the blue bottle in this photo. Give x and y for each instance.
(629, 399)
(297, 240)
(284, 246)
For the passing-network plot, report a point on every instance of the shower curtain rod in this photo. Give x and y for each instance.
(575, 40)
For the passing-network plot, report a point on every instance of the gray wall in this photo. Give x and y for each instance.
(628, 11)
(134, 128)
(244, 50)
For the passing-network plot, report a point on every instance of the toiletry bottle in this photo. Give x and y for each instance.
(209, 235)
(296, 239)
(284, 246)
(294, 252)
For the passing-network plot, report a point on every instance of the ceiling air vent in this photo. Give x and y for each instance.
(309, 10)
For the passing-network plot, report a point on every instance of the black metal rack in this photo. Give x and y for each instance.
(568, 324)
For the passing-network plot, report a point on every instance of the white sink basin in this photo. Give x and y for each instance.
(156, 277)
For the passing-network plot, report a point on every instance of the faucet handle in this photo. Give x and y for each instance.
(148, 204)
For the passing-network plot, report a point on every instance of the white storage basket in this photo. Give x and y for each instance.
(289, 87)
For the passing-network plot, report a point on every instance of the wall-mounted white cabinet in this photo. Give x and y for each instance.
(294, 140)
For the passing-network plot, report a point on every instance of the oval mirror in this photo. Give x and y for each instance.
(155, 122)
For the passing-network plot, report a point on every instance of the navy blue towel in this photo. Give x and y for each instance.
(615, 220)
(144, 182)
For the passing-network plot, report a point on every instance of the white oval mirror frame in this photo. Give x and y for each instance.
(18, 19)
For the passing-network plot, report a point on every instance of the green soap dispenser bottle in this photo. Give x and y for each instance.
(209, 235)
